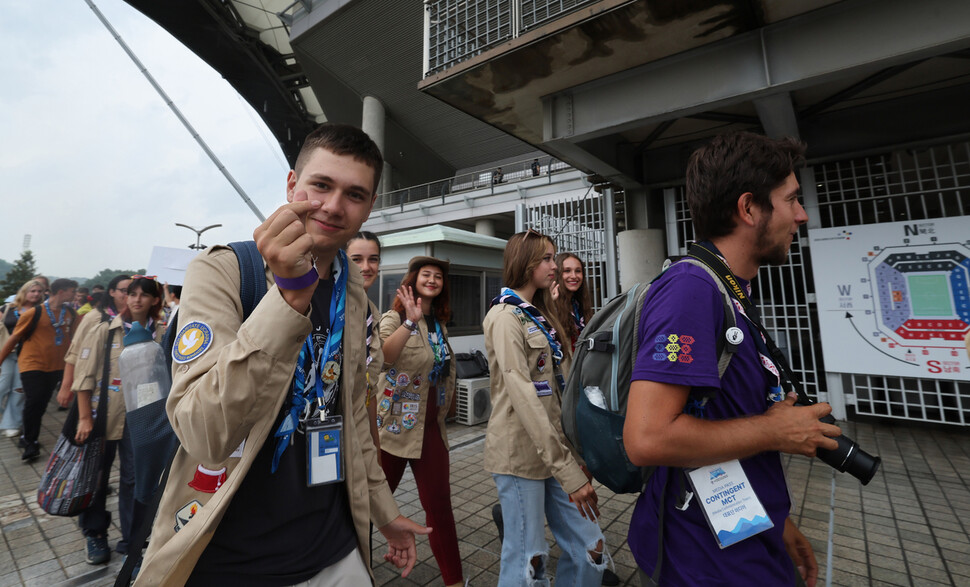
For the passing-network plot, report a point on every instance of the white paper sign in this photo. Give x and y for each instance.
(169, 265)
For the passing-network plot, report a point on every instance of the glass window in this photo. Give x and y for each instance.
(466, 303)
(389, 284)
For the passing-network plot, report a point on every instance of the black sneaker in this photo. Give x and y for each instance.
(98, 551)
(499, 523)
(610, 578)
(31, 452)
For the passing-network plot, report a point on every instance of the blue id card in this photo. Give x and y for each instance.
(325, 451)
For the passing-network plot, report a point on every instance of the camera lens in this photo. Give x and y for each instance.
(849, 458)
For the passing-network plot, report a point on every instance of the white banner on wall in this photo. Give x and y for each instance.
(894, 298)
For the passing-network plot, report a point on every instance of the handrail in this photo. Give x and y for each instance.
(510, 173)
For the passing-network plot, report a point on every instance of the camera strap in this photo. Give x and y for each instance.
(708, 254)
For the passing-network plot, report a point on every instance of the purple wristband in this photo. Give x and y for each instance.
(305, 280)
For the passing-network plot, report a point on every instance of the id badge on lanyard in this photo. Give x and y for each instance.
(731, 508)
(325, 450)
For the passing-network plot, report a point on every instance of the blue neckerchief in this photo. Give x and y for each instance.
(440, 350)
(58, 333)
(301, 399)
(507, 296)
(150, 326)
(578, 317)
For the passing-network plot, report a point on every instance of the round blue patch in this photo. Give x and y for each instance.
(194, 339)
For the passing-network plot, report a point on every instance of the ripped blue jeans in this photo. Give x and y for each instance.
(526, 505)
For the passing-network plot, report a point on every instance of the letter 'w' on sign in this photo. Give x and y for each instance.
(845, 290)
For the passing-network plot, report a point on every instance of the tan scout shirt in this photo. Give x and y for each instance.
(401, 422)
(232, 392)
(524, 435)
(83, 327)
(89, 368)
(376, 357)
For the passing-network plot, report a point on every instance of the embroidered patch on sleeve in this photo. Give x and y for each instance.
(673, 348)
(194, 339)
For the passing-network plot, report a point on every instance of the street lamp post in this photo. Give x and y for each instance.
(198, 234)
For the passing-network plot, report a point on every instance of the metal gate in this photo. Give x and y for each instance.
(904, 184)
(582, 226)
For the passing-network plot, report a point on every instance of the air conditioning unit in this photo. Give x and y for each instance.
(474, 403)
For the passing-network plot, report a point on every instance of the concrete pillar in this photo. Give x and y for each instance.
(485, 226)
(642, 252)
(372, 123)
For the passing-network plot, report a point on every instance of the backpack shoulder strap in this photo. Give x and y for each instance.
(252, 275)
(725, 350)
(34, 320)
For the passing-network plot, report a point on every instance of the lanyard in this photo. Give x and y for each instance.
(318, 387)
(507, 296)
(708, 254)
(58, 332)
(437, 342)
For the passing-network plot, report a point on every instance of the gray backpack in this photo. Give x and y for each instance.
(604, 358)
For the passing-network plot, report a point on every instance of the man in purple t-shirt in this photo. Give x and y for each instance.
(743, 197)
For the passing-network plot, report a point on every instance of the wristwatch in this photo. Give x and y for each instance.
(410, 325)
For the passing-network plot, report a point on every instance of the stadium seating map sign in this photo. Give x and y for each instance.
(894, 298)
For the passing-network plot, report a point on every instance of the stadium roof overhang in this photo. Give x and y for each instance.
(248, 44)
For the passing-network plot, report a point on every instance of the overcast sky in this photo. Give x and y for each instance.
(93, 164)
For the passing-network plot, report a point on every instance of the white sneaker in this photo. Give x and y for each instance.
(11, 432)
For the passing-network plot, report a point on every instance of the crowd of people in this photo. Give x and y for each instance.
(297, 418)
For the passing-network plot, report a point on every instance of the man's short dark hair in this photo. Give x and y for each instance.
(175, 290)
(342, 139)
(733, 164)
(62, 284)
(83, 290)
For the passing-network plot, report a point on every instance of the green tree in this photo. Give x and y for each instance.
(106, 275)
(23, 269)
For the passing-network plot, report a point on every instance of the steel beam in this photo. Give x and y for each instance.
(834, 42)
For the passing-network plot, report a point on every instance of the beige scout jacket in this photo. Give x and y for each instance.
(82, 331)
(232, 393)
(89, 367)
(524, 435)
(411, 369)
(376, 357)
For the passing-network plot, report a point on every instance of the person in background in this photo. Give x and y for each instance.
(364, 250)
(143, 304)
(104, 304)
(41, 358)
(80, 298)
(538, 475)
(11, 390)
(573, 305)
(46, 282)
(534, 166)
(419, 386)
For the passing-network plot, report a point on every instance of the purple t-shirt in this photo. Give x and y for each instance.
(685, 303)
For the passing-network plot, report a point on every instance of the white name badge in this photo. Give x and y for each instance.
(732, 509)
(324, 451)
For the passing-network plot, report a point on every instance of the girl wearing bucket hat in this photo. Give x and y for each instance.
(419, 386)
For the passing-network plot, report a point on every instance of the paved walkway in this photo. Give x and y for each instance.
(910, 526)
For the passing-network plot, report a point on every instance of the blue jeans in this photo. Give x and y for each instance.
(526, 505)
(12, 391)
